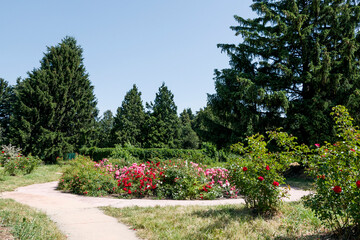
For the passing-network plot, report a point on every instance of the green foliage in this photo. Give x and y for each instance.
(97, 153)
(162, 123)
(14, 163)
(188, 137)
(82, 177)
(6, 98)
(297, 60)
(336, 168)
(129, 120)
(258, 172)
(55, 106)
(104, 130)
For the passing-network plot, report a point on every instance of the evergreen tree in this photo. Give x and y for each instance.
(129, 120)
(188, 136)
(162, 123)
(6, 98)
(211, 129)
(55, 106)
(297, 60)
(105, 128)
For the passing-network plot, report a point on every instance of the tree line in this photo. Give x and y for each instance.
(295, 61)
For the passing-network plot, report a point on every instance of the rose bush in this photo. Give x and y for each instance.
(258, 172)
(15, 163)
(336, 168)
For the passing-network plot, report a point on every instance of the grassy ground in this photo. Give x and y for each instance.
(26, 223)
(45, 173)
(18, 221)
(300, 183)
(219, 222)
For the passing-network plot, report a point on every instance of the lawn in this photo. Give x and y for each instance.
(19, 221)
(220, 222)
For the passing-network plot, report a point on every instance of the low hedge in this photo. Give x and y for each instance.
(145, 154)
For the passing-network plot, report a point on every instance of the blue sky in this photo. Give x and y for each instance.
(125, 43)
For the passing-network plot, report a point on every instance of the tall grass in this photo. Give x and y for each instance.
(219, 222)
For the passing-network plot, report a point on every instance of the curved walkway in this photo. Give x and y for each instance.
(79, 217)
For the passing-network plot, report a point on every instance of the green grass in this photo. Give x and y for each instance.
(42, 174)
(219, 222)
(21, 221)
(300, 183)
(26, 223)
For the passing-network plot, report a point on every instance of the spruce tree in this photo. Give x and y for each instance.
(105, 128)
(6, 98)
(188, 137)
(162, 123)
(55, 105)
(129, 119)
(297, 60)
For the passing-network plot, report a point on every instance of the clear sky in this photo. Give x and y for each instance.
(142, 42)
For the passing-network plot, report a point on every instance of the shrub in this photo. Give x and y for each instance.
(14, 163)
(85, 177)
(258, 172)
(336, 168)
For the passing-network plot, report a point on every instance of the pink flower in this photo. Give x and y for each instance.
(317, 145)
(337, 189)
(352, 150)
(276, 184)
(267, 168)
(260, 179)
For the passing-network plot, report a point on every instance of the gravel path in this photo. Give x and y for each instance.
(79, 217)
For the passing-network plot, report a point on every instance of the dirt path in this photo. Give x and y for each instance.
(79, 217)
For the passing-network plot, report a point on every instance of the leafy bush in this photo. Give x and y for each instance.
(85, 177)
(258, 172)
(14, 163)
(336, 168)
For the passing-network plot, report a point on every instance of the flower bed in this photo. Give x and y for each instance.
(171, 179)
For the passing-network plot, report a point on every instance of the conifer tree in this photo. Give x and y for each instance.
(6, 98)
(162, 123)
(129, 119)
(297, 60)
(105, 128)
(55, 105)
(188, 137)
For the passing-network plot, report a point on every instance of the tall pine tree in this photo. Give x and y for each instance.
(162, 123)
(6, 98)
(55, 106)
(105, 127)
(129, 120)
(297, 60)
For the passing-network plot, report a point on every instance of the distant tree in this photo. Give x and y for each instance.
(162, 123)
(55, 106)
(6, 98)
(129, 120)
(296, 61)
(188, 137)
(105, 127)
(211, 129)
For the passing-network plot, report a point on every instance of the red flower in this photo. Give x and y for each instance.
(276, 184)
(267, 168)
(352, 150)
(129, 191)
(261, 179)
(157, 164)
(2, 152)
(358, 183)
(245, 169)
(337, 189)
